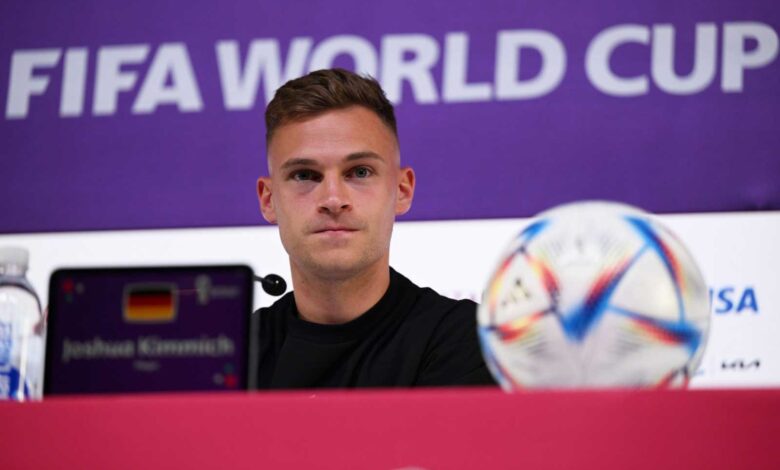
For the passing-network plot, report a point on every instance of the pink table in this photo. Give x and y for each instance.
(387, 429)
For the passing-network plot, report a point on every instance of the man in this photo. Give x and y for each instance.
(334, 188)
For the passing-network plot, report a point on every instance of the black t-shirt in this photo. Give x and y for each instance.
(411, 337)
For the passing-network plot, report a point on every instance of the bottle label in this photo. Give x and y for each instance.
(10, 382)
(6, 343)
(9, 375)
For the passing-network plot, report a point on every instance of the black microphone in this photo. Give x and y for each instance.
(272, 284)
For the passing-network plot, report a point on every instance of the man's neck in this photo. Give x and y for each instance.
(334, 301)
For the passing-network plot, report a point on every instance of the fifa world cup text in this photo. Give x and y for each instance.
(143, 77)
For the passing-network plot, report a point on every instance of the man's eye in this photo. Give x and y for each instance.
(303, 175)
(361, 172)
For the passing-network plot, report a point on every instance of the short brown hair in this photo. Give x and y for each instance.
(326, 90)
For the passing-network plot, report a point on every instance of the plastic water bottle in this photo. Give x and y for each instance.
(22, 330)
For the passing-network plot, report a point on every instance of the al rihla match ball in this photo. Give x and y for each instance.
(594, 294)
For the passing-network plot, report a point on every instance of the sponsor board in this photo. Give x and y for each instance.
(736, 252)
(118, 119)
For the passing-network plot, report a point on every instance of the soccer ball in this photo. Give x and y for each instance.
(594, 294)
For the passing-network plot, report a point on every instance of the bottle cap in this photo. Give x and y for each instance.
(14, 255)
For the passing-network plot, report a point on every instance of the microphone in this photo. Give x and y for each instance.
(272, 284)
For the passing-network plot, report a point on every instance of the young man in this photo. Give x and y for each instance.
(334, 188)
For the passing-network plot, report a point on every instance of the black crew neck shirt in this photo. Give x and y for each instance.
(411, 337)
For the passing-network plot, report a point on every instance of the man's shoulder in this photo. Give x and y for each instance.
(277, 310)
(429, 295)
(452, 353)
(445, 319)
(280, 304)
(429, 301)
(452, 314)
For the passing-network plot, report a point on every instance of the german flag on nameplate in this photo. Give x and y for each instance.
(150, 303)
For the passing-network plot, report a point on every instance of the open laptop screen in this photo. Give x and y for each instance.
(117, 330)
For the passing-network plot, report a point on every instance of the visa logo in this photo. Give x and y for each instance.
(731, 299)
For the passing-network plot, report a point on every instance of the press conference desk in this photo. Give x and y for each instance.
(430, 429)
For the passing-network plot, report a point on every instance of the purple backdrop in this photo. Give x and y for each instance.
(711, 150)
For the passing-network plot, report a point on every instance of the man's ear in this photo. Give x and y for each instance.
(264, 196)
(405, 191)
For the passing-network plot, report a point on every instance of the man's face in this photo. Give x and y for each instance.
(334, 189)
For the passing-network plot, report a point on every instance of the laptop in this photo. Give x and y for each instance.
(149, 329)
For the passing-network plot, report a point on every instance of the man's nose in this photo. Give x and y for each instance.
(335, 195)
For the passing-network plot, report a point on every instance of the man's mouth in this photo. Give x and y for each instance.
(335, 230)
